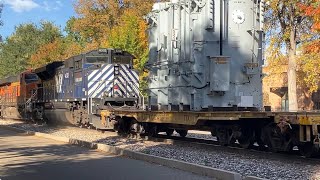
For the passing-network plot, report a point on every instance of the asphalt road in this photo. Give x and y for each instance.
(32, 158)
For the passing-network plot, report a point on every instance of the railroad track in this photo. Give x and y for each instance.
(204, 152)
(209, 143)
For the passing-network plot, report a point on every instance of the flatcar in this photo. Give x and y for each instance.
(205, 63)
(75, 90)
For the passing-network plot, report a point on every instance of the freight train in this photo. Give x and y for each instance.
(205, 73)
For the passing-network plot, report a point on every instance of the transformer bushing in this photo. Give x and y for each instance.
(206, 55)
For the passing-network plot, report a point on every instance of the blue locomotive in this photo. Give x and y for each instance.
(77, 89)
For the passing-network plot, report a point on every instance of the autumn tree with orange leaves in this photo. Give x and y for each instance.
(288, 28)
(309, 60)
(97, 18)
(313, 10)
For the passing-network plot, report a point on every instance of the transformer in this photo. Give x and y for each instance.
(206, 55)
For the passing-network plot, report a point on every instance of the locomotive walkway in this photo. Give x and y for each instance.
(29, 157)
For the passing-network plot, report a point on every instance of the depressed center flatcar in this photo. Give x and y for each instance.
(205, 64)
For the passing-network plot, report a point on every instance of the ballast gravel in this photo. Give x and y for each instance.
(246, 162)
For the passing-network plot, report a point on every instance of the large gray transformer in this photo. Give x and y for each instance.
(206, 55)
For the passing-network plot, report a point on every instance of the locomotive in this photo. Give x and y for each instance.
(16, 93)
(74, 91)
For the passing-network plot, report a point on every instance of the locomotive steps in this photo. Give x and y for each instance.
(189, 167)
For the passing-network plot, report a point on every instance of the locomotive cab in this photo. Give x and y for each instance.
(111, 78)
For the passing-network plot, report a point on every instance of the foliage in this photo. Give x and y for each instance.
(60, 49)
(17, 49)
(309, 65)
(310, 58)
(313, 10)
(97, 18)
(130, 35)
(288, 27)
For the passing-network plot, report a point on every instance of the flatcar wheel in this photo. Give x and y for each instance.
(152, 131)
(245, 143)
(169, 132)
(308, 150)
(182, 133)
(246, 139)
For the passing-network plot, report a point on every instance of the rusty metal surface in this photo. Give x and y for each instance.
(186, 118)
(191, 118)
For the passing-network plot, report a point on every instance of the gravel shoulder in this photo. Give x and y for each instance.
(245, 162)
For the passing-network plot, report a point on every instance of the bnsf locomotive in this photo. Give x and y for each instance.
(75, 90)
(16, 93)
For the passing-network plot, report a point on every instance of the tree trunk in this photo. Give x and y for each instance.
(292, 78)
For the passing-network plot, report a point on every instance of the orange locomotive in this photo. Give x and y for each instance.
(16, 93)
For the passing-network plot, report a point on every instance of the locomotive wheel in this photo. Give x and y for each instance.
(123, 126)
(308, 150)
(182, 133)
(223, 136)
(169, 132)
(136, 129)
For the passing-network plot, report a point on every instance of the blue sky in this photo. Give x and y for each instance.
(16, 12)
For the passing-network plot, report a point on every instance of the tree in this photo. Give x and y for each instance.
(130, 35)
(97, 18)
(288, 26)
(313, 10)
(58, 50)
(18, 48)
(310, 56)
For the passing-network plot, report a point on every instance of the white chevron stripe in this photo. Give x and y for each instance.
(102, 80)
(135, 86)
(127, 72)
(132, 73)
(120, 87)
(93, 73)
(98, 75)
(102, 87)
(127, 89)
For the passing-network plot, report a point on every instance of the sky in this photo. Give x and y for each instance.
(16, 12)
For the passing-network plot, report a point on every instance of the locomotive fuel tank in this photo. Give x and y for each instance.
(206, 55)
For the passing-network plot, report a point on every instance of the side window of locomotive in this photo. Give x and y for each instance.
(30, 78)
(97, 59)
(78, 64)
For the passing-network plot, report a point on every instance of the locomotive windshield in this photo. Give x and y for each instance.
(97, 59)
(30, 78)
(120, 59)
